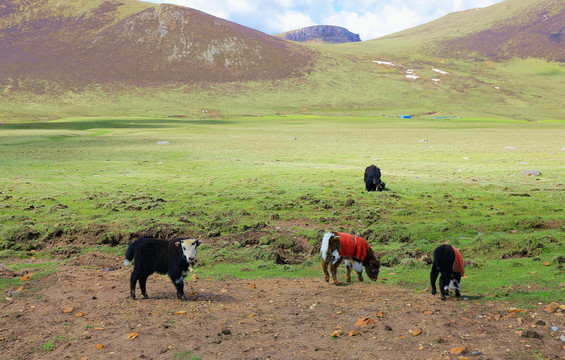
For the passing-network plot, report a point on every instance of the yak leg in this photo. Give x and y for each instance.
(347, 271)
(333, 269)
(325, 269)
(444, 285)
(133, 280)
(433, 278)
(142, 283)
(359, 270)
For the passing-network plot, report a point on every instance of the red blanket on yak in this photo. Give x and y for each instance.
(353, 247)
(458, 263)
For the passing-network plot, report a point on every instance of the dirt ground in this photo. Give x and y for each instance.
(83, 311)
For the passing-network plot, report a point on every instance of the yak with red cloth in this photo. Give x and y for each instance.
(449, 262)
(338, 247)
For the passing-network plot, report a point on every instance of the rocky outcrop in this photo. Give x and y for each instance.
(321, 33)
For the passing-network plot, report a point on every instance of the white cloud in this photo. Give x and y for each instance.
(369, 18)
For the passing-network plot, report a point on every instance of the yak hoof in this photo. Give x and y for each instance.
(457, 293)
(433, 291)
(443, 297)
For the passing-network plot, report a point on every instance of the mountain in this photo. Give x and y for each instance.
(321, 33)
(512, 28)
(99, 41)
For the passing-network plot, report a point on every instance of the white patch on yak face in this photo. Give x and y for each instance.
(189, 250)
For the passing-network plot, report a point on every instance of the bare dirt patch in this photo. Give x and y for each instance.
(83, 311)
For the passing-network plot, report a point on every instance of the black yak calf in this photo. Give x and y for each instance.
(373, 179)
(172, 257)
(355, 250)
(449, 262)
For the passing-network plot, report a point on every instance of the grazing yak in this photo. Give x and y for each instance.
(172, 257)
(337, 247)
(373, 179)
(449, 262)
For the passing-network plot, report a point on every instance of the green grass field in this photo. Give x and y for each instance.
(284, 180)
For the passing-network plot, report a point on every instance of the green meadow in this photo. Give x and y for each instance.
(254, 186)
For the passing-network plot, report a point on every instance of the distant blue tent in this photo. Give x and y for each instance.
(406, 117)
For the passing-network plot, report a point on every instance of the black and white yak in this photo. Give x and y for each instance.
(173, 257)
(337, 247)
(373, 179)
(449, 262)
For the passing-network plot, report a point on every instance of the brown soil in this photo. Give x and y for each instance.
(83, 311)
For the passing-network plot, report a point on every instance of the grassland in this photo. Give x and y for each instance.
(256, 186)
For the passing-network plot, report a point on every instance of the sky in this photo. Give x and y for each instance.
(368, 18)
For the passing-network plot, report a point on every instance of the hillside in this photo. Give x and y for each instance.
(512, 28)
(321, 33)
(134, 42)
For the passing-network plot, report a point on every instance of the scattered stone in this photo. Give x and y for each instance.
(252, 286)
(349, 202)
(476, 353)
(509, 147)
(540, 323)
(354, 333)
(388, 328)
(562, 337)
(366, 322)
(417, 332)
(337, 333)
(163, 142)
(530, 173)
(551, 308)
(458, 350)
(424, 141)
(554, 328)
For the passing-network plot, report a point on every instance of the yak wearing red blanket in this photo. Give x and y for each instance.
(337, 247)
(449, 262)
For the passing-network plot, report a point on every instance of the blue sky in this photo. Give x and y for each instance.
(368, 18)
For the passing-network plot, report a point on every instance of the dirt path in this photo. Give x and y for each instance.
(84, 312)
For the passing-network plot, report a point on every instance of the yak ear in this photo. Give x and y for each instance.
(177, 243)
(198, 242)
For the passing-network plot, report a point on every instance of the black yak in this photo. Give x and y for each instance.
(172, 257)
(449, 262)
(373, 179)
(337, 247)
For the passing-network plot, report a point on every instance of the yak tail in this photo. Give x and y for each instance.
(325, 244)
(129, 255)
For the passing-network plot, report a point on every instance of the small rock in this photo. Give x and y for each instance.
(562, 337)
(388, 328)
(337, 333)
(540, 323)
(349, 202)
(554, 328)
(163, 142)
(530, 173)
(476, 353)
(458, 350)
